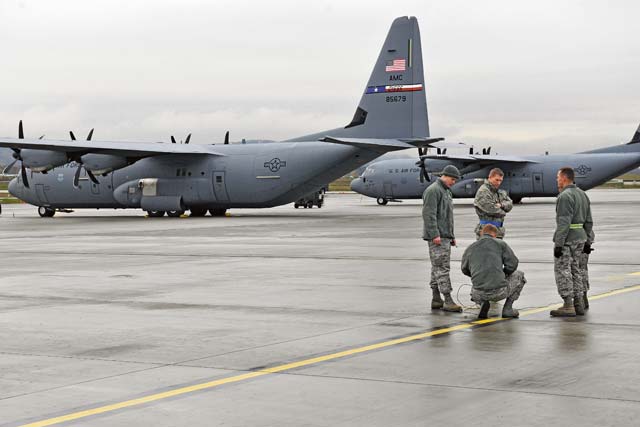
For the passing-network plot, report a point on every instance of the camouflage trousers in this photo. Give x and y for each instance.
(583, 265)
(567, 270)
(512, 289)
(440, 256)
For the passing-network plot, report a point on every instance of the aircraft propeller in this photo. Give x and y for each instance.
(186, 141)
(76, 177)
(422, 151)
(226, 138)
(17, 157)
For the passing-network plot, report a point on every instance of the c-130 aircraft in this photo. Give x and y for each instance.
(172, 178)
(525, 176)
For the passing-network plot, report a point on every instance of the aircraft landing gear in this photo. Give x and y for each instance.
(155, 214)
(382, 201)
(217, 212)
(516, 200)
(45, 212)
(175, 214)
(198, 211)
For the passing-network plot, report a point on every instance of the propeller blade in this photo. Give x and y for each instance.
(186, 141)
(92, 177)
(25, 180)
(90, 135)
(421, 151)
(16, 153)
(489, 150)
(226, 138)
(73, 137)
(8, 168)
(20, 131)
(76, 177)
(41, 136)
(439, 151)
(471, 151)
(444, 151)
(173, 140)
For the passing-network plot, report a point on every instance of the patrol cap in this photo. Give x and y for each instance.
(451, 171)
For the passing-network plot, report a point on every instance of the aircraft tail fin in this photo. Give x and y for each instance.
(393, 104)
(636, 137)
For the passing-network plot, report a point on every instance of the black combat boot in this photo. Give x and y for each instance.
(449, 305)
(508, 311)
(567, 310)
(586, 301)
(484, 310)
(436, 301)
(578, 304)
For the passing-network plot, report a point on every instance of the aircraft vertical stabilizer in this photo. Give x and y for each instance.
(636, 137)
(393, 104)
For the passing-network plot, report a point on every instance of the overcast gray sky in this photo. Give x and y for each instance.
(521, 76)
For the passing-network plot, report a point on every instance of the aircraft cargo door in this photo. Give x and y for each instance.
(42, 196)
(220, 186)
(537, 183)
(388, 189)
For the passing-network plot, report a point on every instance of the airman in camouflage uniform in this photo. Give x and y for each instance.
(574, 233)
(492, 266)
(437, 216)
(492, 204)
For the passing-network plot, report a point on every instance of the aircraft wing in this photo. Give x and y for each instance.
(478, 158)
(126, 149)
(384, 145)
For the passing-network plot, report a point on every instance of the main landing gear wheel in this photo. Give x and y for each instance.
(46, 212)
(382, 201)
(198, 212)
(175, 214)
(516, 200)
(217, 212)
(155, 214)
(310, 205)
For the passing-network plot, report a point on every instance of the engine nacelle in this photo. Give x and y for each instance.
(43, 160)
(103, 163)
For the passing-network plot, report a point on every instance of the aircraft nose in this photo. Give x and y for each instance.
(12, 187)
(356, 185)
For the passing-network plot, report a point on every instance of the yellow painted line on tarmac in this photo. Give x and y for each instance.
(299, 364)
(637, 273)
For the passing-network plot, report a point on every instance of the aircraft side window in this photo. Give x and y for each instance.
(178, 172)
(219, 179)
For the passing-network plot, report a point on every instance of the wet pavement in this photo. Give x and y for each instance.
(305, 317)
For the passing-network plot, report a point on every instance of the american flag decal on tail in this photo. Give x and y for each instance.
(396, 65)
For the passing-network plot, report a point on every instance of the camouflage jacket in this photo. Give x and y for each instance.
(573, 217)
(485, 203)
(488, 261)
(437, 212)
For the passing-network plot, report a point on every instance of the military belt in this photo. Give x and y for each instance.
(576, 226)
(496, 223)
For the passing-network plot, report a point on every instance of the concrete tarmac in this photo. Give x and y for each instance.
(305, 317)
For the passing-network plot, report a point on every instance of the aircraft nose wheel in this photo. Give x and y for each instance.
(382, 201)
(155, 214)
(46, 212)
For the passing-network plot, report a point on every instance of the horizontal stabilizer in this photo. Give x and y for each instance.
(383, 145)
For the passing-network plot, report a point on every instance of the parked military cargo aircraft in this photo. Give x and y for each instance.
(164, 177)
(525, 176)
